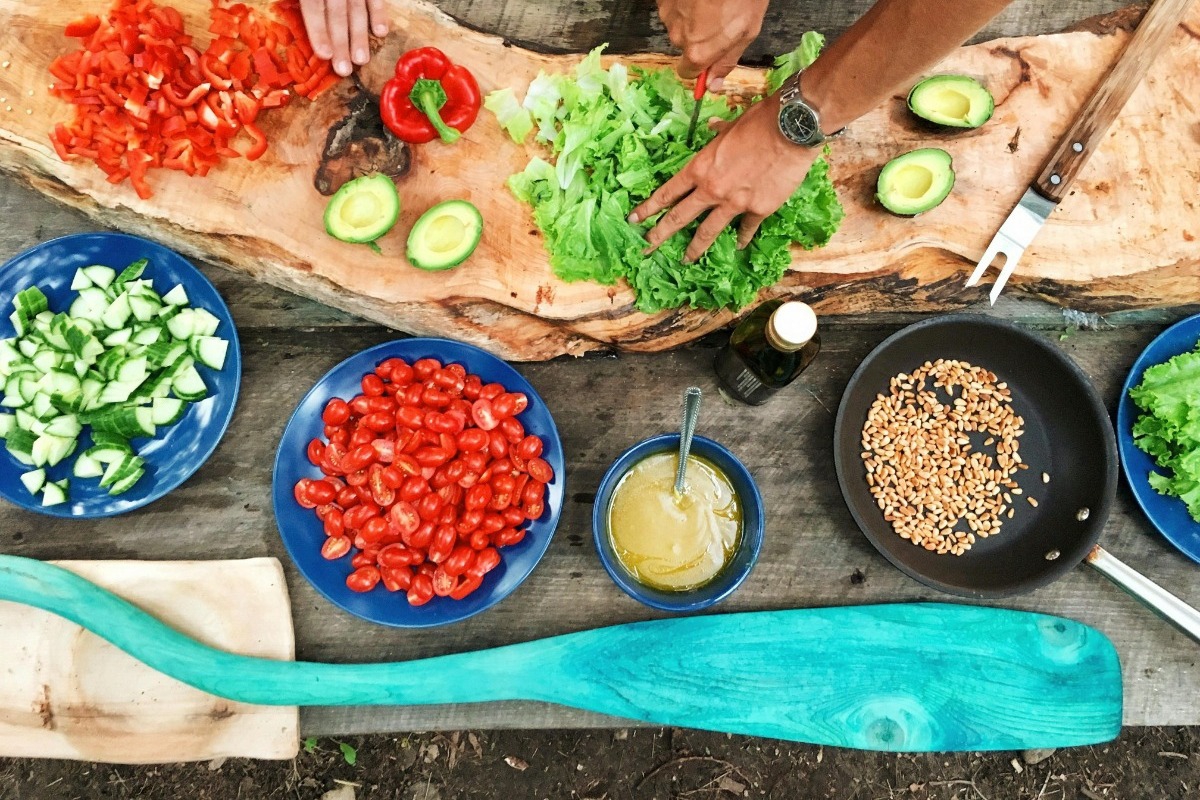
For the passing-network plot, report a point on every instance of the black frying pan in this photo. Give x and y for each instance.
(1068, 434)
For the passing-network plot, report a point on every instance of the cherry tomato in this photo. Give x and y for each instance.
(486, 560)
(359, 406)
(335, 547)
(471, 386)
(403, 518)
(337, 434)
(316, 450)
(541, 471)
(518, 463)
(357, 479)
(378, 405)
(420, 591)
(512, 516)
(414, 489)
(508, 536)
(412, 395)
(321, 492)
(504, 406)
(478, 497)
(425, 367)
(465, 587)
(332, 523)
(397, 555)
(443, 583)
(436, 398)
(347, 498)
(396, 579)
(451, 494)
(300, 492)
(372, 385)
(379, 422)
(497, 444)
(420, 538)
(383, 494)
(469, 521)
(374, 529)
(471, 440)
(480, 540)
(483, 414)
(442, 543)
(431, 456)
(459, 560)
(491, 523)
(477, 462)
(356, 517)
(534, 510)
(359, 458)
(410, 417)
(406, 464)
(363, 558)
(426, 568)
(363, 579)
(491, 391)
(429, 506)
(512, 429)
(385, 450)
(521, 400)
(468, 479)
(440, 423)
(534, 492)
(361, 437)
(336, 412)
(529, 447)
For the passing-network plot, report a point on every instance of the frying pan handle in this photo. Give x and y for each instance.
(1167, 605)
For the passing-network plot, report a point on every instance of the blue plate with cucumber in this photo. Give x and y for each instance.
(119, 372)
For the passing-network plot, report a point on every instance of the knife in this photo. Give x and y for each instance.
(1081, 139)
(697, 95)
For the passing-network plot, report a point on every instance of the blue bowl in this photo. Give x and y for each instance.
(734, 573)
(302, 532)
(1168, 514)
(178, 450)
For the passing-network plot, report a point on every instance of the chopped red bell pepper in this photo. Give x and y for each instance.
(429, 97)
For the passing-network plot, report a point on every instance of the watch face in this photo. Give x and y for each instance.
(798, 123)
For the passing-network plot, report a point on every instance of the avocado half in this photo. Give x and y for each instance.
(445, 235)
(363, 209)
(956, 101)
(916, 181)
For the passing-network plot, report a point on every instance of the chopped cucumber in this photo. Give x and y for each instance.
(34, 480)
(111, 362)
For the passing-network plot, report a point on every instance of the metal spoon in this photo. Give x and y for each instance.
(691, 410)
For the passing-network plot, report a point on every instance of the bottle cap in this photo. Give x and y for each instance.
(792, 326)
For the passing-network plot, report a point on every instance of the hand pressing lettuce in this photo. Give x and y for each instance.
(614, 137)
(1169, 428)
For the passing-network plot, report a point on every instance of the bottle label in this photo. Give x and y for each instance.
(750, 387)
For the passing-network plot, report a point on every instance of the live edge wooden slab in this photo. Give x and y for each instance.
(1125, 239)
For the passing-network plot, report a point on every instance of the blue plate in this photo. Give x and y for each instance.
(302, 532)
(1167, 514)
(179, 450)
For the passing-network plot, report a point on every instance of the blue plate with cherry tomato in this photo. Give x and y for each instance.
(419, 526)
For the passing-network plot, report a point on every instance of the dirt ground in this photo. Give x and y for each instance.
(636, 764)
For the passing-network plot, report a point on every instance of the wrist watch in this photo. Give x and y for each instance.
(799, 122)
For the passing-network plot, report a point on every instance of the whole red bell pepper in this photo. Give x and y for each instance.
(429, 97)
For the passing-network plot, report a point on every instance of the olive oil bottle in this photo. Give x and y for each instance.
(767, 351)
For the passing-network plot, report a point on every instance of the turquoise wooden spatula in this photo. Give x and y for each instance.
(887, 677)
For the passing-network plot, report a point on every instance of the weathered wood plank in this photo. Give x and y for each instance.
(811, 556)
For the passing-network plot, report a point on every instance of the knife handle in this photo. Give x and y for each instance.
(1086, 133)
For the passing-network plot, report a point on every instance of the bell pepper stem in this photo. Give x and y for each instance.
(429, 96)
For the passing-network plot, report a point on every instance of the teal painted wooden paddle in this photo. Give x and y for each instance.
(904, 677)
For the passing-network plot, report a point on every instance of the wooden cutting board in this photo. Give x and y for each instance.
(1125, 238)
(66, 693)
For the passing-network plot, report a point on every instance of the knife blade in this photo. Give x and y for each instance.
(1080, 141)
(697, 95)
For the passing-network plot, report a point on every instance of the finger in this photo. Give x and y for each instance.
(722, 66)
(666, 196)
(379, 17)
(687, 68)
(339, 35)
(674, 220)
(313, 12)
(360, 45)
(708, 231)
(748, 228)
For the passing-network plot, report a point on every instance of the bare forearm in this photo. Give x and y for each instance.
(886, 50)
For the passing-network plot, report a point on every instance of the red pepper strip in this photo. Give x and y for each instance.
(411, 104)
(83, 27)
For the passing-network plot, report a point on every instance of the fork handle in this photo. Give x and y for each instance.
(1088, 130)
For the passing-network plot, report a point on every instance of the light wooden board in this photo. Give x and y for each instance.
(66, 693)
(1124, 240)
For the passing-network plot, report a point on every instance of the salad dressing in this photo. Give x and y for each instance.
(668, 541)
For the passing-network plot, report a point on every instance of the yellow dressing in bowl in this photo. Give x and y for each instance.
(668, 541)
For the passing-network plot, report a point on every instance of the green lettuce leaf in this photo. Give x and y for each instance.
(512, 116)
(1168, 429)
(615, 136)
(789, 64)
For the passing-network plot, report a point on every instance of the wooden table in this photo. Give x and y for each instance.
(813, 555)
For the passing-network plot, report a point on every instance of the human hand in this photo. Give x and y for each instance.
(338, 30)
(712, 34)
(750, 170)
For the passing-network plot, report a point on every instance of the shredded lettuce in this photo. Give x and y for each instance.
(789, 64)
(615, 136)
(1169, 428)
(515, 119)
